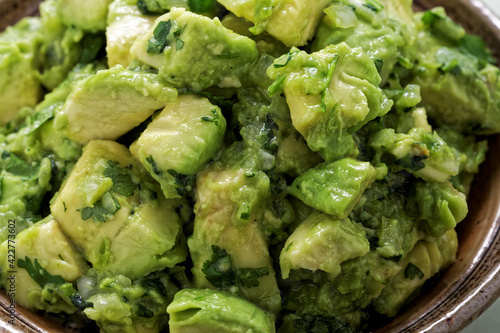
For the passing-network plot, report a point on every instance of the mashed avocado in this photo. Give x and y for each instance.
(235, 166)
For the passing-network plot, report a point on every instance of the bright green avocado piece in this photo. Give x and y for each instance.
(331, 94)
(89, 15)
(124, 24)
(227, 220)
(112, 102)
(51, 260)
(425, 155)
(441, 206)
(179, 141)
(19, 85)
(291, 22)
(323, 242)
(191, 50)
(211, 311)
(423, 262)
(105, 212)
(334, 188)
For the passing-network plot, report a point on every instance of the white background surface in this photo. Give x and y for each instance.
(489, 321)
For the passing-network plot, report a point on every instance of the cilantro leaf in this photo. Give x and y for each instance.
(374, 5)
(37, 273)
(102, 209)
(273, 88)
(201, 6)
(412, 271)
(154, 167)
(41, 117)
(319, 324)
(475, 46)
(218, 270)
(122, 180)
(184, 182)
(249, 277)
(92, 44)
(19, 167)
(214, 119)
(159, 40)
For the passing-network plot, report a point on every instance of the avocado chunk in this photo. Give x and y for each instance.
(323, 242)
(89, 15)
(460, 67)
(124, 24)
(385, 30)
(112, 102)
(425, 155)
(191, 50)
(441, 206)
(109, 203)
(211, 311)
(179, 141)
(291, 22)
(331, 94)
(119, 304)
(228, 248)
(425, 260)
(19, 85)
(334, 188)
(44, 261)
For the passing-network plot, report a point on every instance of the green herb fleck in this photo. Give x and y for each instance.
(19, 167)
(102, 209)
(374, 5)
(412, 271)
(37, 273)
(122, 180)
(213, 119)
(159, 40)
(156, 170)
(273, 88)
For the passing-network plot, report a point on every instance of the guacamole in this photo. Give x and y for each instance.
(236, 166)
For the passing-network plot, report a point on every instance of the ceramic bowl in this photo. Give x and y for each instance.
(463, 291)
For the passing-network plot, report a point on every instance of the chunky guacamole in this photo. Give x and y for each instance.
(235, 166)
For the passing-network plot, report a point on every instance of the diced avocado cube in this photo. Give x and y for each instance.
(331, 94)
(441, 206)
(211, 311)
(191, 50)
(293, 22)
(425, 260)
(228, 247)
(88, 15)
(323, 242)
(40, 256)
(334, 188)
(19, 85)
(423, 154)
(179, 141)
(112, 102)
(110, 208)
(125, 23)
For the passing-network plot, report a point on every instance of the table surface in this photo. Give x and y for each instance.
(489, 321)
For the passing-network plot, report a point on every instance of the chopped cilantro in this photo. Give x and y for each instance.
(374, 5)
(227, 55)
(102, 209)
(179, 44)
(219, 271)
(214, 119)
(159, 40)
(411, 162)
(475, 46)
(19, 167)
(288, 59)
(273, 88)
(413, 271)
(122, 180)
(184, 182)
(41, 117)
(91, 45)
(37, 273)
(79, 302)
(326, 91)
(156, 170)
